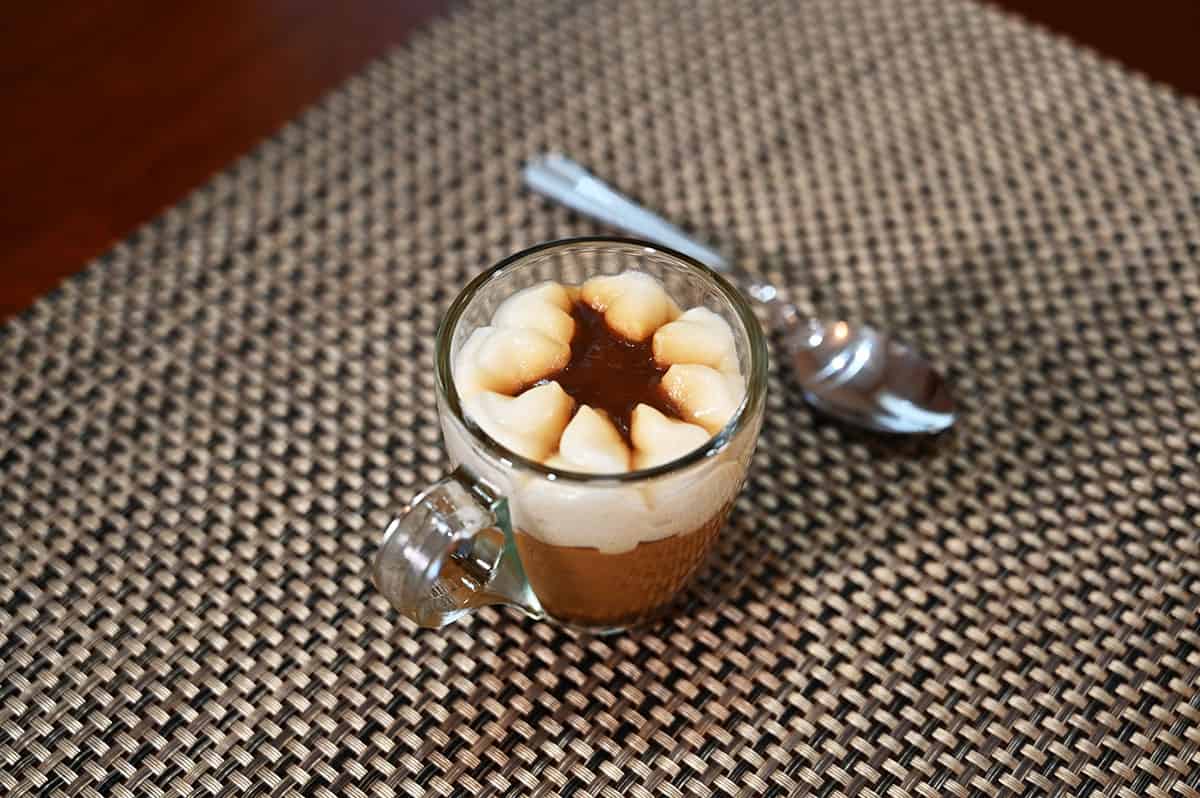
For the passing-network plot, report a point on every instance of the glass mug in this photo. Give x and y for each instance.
(502, 529)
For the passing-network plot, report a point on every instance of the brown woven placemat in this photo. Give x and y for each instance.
(205, 432)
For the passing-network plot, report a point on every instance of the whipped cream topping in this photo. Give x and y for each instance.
(504, 375)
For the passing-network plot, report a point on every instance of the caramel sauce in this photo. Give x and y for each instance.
(609, 372)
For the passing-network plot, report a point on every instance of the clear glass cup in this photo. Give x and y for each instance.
(502, 529)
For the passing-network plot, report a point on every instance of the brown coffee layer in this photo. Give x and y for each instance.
(609, 372)
(585, 586)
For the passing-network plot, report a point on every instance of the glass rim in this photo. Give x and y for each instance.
(755, 388)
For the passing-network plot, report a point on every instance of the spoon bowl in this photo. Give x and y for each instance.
(866, 378)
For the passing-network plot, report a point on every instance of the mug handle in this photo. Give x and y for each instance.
(451, 551)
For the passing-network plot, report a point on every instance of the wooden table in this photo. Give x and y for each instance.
(120, 107)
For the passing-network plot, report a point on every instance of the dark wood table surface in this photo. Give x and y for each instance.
(117, 108)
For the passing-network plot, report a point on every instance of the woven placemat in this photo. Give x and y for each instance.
(204, 433)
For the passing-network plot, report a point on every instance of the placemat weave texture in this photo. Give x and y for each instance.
(203, 434)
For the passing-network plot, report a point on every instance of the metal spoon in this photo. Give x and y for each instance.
(856, 374)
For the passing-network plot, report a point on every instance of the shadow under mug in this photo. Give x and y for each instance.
(595, 552)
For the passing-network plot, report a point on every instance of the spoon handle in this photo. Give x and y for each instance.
(560, 178)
